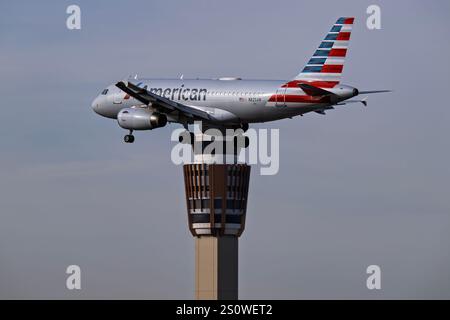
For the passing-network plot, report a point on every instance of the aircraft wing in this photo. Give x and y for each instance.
(166, 105)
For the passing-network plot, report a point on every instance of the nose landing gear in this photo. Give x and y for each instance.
(129, 138)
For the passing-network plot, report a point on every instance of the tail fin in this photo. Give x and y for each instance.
(325, 66)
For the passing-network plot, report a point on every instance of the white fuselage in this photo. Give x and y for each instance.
(230, 101)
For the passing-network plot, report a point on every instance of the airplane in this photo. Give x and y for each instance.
(229, 102)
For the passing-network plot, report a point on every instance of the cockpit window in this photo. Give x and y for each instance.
(105, 91)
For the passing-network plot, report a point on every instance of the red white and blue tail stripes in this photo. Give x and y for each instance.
(328, 61)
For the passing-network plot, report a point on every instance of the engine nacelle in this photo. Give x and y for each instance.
(140, 119)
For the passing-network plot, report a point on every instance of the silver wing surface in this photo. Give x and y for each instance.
(163, 104)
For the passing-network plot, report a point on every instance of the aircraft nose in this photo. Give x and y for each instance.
(95, 105)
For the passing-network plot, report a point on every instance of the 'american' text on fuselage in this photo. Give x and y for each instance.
(181, 93)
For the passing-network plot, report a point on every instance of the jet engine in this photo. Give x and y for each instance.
(140, 119)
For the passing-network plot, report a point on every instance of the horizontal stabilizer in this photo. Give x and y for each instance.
(363, 101)
(314, 91)
(374, 91)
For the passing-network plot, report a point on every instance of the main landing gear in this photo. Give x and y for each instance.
(129, 138)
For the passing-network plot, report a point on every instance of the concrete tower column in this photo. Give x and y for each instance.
(216, 268)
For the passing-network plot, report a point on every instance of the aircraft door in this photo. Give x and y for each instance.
(280, 97)
(118, 96)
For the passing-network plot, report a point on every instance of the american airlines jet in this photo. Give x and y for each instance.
(145, 104)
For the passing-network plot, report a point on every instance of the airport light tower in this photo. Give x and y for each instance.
(216, 189)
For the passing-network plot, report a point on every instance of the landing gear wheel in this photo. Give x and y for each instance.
(129, 138)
